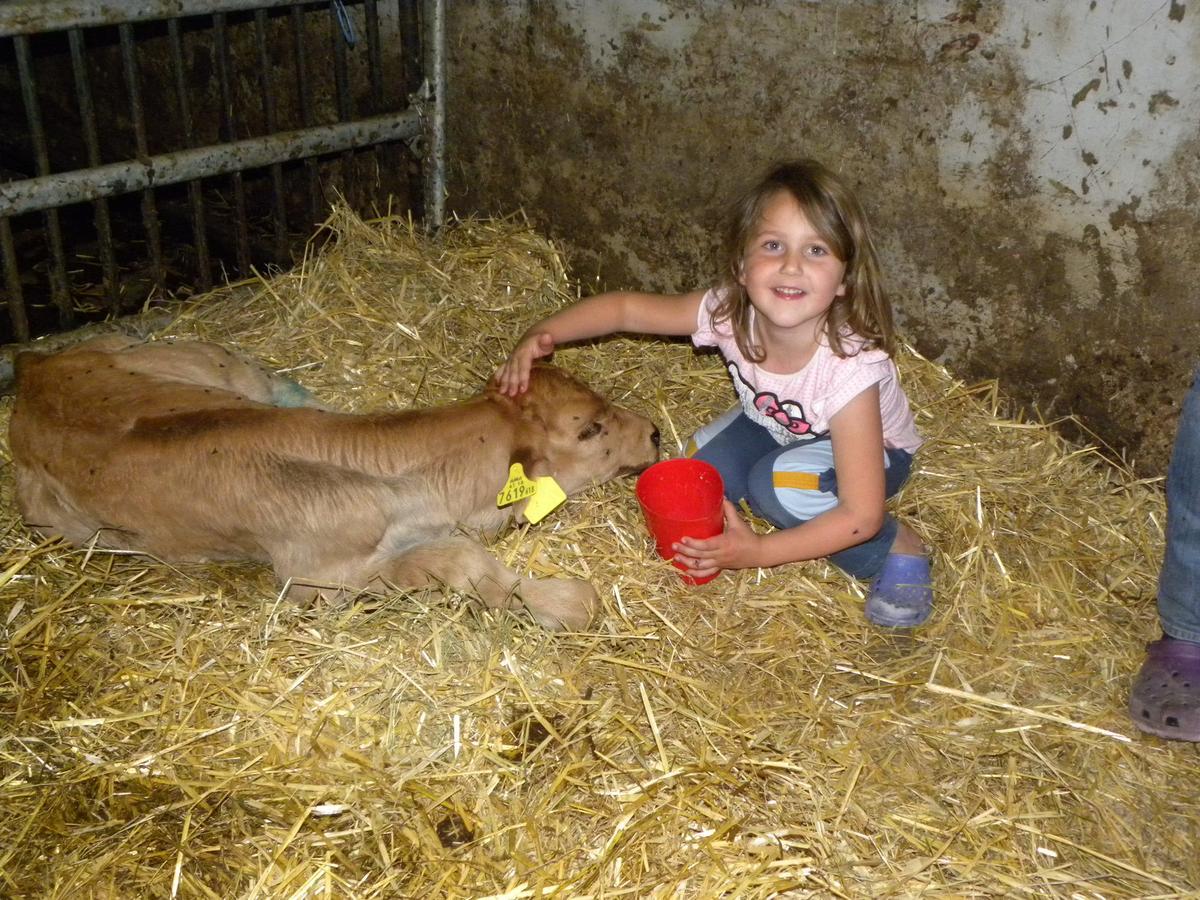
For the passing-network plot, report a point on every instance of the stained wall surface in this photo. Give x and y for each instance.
(1030, 168)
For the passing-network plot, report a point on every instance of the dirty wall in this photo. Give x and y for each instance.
(1031, 168)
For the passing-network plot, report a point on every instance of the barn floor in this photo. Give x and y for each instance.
(183, 731)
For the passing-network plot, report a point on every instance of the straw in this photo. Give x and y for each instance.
(182, 731)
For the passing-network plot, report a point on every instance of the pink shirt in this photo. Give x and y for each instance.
(798, 406)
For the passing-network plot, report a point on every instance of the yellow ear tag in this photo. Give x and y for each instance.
(544, 493)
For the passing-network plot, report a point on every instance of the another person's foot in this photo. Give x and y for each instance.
(1165, 699)
(901, 595)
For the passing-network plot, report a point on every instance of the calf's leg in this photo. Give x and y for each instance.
(460, 564)
(464, 565)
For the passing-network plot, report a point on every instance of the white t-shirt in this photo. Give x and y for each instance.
(798, 406)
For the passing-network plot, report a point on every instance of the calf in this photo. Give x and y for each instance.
(186, 451)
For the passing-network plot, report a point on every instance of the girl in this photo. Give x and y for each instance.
(823, 434)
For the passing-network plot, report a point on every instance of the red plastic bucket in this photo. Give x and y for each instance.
(681, 498)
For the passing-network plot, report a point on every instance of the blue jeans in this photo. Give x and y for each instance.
(1179, 580)
(788, 485)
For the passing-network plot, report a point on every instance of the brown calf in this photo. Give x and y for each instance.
(185, 451)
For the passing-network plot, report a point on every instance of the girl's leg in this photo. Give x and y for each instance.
(732, 444)
(796, 483)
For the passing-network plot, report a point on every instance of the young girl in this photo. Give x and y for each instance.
(823, 434)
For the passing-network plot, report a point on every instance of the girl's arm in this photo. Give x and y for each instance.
(602, 314)
(857, 434)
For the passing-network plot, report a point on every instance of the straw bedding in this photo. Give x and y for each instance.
(182, 731)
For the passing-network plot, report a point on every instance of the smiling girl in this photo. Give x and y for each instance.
(823, 433)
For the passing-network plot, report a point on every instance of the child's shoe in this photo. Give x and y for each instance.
(902, 594)
(1165, 699)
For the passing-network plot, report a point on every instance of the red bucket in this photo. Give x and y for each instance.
(681, 498)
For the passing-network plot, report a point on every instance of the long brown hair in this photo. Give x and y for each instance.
(833, 210)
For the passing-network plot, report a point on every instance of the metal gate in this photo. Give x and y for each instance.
(231, 121)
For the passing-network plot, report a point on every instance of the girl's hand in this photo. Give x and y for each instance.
(512, 377)
(736, 548)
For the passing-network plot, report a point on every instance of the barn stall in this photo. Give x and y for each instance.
(186, 731)
(161, 146)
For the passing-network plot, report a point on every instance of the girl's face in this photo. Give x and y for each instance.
(789, 271)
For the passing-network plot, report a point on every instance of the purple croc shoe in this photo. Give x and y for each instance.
(1165, 700)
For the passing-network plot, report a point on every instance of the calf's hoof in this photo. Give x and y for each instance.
(561, 604)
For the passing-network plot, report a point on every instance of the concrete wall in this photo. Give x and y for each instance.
(1031, 167)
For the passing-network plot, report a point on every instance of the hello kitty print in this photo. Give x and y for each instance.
(797, 406)
(783, 418)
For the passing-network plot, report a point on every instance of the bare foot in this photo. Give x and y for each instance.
(908, 542)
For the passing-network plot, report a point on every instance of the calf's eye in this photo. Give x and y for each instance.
(591, 431)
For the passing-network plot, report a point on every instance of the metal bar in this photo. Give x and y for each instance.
(410, 46)
(411, 65)
(374, 57)
(341, 77)
(33, 114)
(63, 188)
(315, 197)
(34, 16)
(195, 195)
(12, 282)
(149, 207)
(435, 148)
(221, 45)
(379, 155)
(279, 213)
(87, 114)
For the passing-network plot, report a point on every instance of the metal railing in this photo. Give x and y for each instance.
(137, 133)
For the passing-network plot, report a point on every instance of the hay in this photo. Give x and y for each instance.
(181, 731)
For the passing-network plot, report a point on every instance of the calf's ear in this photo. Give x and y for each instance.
(519, 403)
(535, 464)
(528, 407)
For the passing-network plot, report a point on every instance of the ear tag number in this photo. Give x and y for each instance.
(544, 493)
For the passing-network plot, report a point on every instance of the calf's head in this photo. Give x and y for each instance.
(570, 432)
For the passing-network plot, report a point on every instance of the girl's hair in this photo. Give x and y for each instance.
(833, 210)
